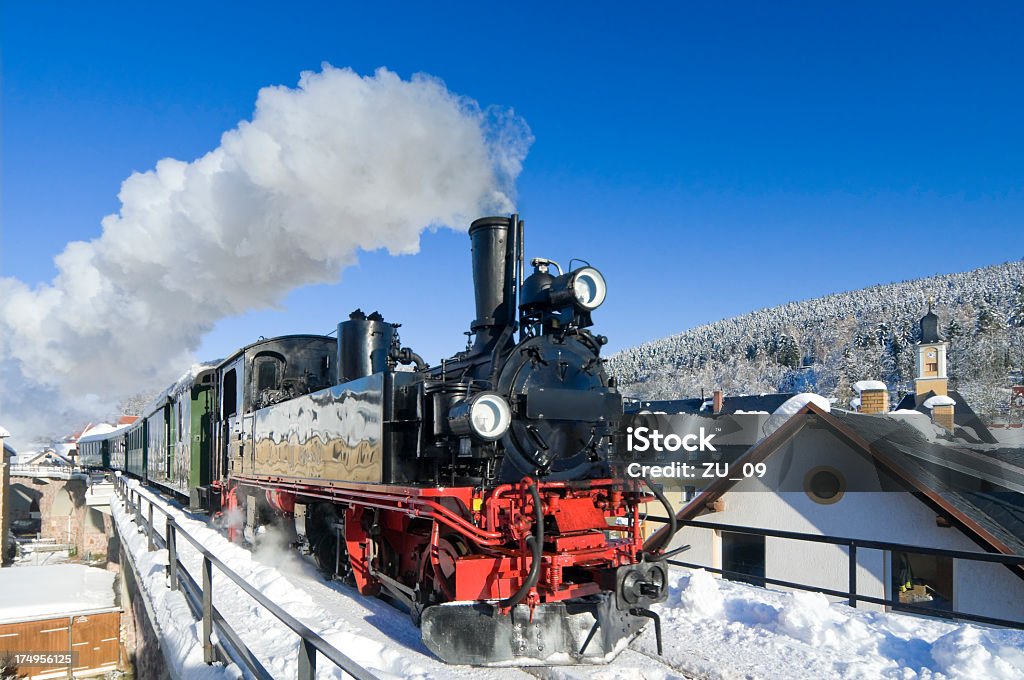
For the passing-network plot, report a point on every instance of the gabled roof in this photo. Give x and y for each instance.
(963, 417)
(48, 453)
(940, 475)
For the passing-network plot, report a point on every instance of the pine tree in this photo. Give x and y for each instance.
(1016, 317)
(987, 320)
(953, 330)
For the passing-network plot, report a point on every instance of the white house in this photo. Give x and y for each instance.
(871, 477)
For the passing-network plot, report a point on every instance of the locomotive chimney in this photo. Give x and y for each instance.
(490, 243)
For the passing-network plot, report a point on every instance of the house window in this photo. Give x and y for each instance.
(931, 367)
(744, 555)
(824, 485)
(923, 580)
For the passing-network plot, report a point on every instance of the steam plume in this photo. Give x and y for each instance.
(342, 163)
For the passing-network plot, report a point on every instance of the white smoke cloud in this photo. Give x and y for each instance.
(342, 163)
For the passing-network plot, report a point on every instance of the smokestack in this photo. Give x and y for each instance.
(490, 243)
(717, 400)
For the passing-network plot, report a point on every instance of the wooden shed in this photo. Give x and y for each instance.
(67, 612)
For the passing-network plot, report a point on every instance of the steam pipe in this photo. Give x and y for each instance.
(407, 356)
(536, 543)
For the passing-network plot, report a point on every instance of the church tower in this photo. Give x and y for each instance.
(931, 359)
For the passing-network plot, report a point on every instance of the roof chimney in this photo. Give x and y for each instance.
(943, 410)
(873, 396)
(716, 401)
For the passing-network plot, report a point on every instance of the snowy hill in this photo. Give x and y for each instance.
(826, 344)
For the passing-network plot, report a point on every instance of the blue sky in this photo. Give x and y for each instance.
(709, 158)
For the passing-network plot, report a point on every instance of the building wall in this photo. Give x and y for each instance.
(876, 514)
(939, 386)
(5, 511)
(65, 517)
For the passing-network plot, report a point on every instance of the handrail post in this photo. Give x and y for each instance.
(152, 530)
(172, 555)
(853, 574)
(307, 660)
(207, 609)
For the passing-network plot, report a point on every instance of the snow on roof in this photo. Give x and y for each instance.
(54, 590)
(862, 385)
(939, 400)
(48, 453)
(855, 402)
(4, 432)
(98, 428)
(790, 407)
(798, 401)
(103, 434)
(183, 383)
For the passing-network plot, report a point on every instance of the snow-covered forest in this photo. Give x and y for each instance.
(826, 344)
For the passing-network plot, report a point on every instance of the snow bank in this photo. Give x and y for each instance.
(939, 400)
(744, 631)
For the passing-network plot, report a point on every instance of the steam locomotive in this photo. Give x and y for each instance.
(478, 493)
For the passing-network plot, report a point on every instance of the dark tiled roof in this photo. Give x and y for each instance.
(978, 490)
(963, 416)
(964, 478)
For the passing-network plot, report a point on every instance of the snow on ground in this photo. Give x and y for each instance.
(374, 634)
(720, 629)
(713, 628)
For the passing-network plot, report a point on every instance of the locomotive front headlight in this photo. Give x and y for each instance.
(589, 288)
(489, 416)
(486, 416)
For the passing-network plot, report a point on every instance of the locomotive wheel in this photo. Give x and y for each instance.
(437, 585)
(323, 539)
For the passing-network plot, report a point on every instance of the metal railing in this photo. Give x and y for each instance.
(44, 471)
(852, 544)
(200, 600)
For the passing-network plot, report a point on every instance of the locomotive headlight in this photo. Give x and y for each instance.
(589, 288)
(485, 416)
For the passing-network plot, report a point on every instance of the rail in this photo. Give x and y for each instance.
(852, 544)
(200, 600)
